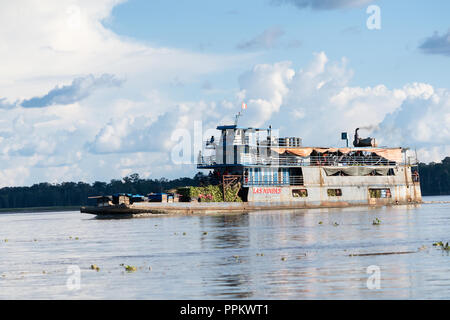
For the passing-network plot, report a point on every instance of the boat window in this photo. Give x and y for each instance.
(295, 177)
(299, 193)
(380, 193)
(334, 192)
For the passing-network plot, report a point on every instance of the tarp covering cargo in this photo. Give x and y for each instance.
(356, 171)
(391, 154)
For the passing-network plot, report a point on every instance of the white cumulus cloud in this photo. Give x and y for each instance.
(317, 103)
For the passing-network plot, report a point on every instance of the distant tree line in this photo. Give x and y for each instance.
(435, 178)
(77, 193)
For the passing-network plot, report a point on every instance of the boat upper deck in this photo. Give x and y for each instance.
(298, 157)
(248, 147)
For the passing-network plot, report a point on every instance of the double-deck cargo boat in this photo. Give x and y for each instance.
(266, 172)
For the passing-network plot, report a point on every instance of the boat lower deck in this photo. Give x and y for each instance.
(189, 208)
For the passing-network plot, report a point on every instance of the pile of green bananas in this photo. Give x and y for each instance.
(211, 193)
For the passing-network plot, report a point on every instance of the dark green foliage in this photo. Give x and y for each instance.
(205, 194)
(211, 193)
(435, 178)
(76, 194)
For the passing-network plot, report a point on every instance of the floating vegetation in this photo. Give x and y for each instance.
(95, 267)
(205, 233)
(335, 224)
(260, 254)
(376, 222)
(442, 245)
(130, 268)
(320, 222)
(237, 258)
(283, 258)
(184, 233)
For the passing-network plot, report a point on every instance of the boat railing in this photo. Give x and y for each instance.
(288, 181)
(264, 144)
(283, 160)
(351, 161)
(206, 160)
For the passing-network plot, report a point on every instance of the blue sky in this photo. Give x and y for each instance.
(97, 90)
(218, 27)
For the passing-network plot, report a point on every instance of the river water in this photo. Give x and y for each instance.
(299, 254)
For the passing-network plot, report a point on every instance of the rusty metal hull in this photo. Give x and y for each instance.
(353, 191)
(152, 209)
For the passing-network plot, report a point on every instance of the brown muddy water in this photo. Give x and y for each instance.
(298, 254)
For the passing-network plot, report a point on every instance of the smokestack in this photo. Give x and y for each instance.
(356, 140)
(367, 142)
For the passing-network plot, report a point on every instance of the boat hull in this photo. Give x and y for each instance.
(320, 191)
(153, 209)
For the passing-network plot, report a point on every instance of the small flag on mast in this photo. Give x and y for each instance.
(244, 106)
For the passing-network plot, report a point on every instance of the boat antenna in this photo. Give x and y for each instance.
(237, 118)
(243, 107)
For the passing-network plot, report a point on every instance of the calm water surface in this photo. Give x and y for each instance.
(261, 255)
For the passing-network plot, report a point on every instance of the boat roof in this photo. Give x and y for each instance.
(128, 195)
(226, 127)
(394, 154)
